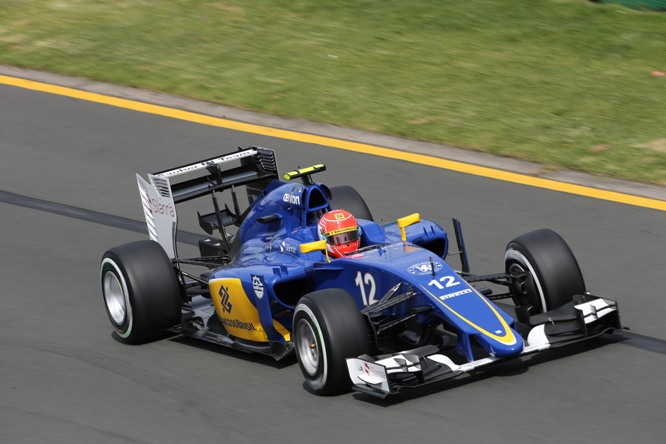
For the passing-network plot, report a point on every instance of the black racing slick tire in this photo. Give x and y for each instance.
(344, 197)
(555, 274)
(328, 328)
(140, 291)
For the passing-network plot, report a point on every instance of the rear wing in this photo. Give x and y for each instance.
(252, 167)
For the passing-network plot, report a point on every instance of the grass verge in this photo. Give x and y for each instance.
(568, 83)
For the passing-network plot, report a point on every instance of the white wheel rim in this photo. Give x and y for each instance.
(115, 298)
(308, 351)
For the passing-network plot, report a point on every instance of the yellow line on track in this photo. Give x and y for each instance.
(339, 144)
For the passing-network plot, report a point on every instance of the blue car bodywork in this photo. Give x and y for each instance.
(438, 322)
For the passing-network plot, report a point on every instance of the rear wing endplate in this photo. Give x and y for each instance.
(163, 190)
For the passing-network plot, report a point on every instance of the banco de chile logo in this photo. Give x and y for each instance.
(224, 295)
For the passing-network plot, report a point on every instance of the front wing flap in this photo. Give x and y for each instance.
(386, 376)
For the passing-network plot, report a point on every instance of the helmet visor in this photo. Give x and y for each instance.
(343, 238)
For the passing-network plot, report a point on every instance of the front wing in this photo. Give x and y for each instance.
(585, 318)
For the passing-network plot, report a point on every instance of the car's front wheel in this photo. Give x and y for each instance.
(328, 328)
(554, 271)
(140, 291)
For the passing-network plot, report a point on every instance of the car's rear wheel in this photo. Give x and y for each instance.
(140, 291)
(553, 268)
(328, 328)
(344, 197)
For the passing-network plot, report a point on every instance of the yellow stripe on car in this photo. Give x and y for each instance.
(507, 339)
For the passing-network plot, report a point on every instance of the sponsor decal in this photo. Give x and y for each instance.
(258, 286)
(235, 323)
(375, 371)
(224, 297)
(423, 268)
(453, 295)
(287, 248)
(339, 231)
(160, 208)
(291, 199)
(204, 164)
(155, 207)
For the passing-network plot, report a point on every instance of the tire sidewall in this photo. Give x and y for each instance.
(150, 290)
(555, 274)
(340, 333)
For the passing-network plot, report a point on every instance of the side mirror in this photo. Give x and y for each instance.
(313, 246)
(406, 221)
(319, 245)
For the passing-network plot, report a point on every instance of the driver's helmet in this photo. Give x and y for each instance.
(340, 229)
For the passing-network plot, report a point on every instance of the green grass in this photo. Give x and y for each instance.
(564, 82)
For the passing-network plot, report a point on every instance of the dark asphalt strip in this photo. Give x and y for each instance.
(88, 215)
(626, 337)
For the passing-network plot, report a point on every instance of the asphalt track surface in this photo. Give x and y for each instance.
(68, 193)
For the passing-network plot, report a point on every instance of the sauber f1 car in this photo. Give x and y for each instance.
(390, 316)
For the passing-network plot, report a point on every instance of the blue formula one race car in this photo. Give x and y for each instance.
(390, 315)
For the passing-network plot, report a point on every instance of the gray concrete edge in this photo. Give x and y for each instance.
(430, 149)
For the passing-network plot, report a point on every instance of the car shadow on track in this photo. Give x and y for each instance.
(256, 358)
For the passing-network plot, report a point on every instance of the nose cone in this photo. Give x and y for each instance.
(504, 345)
